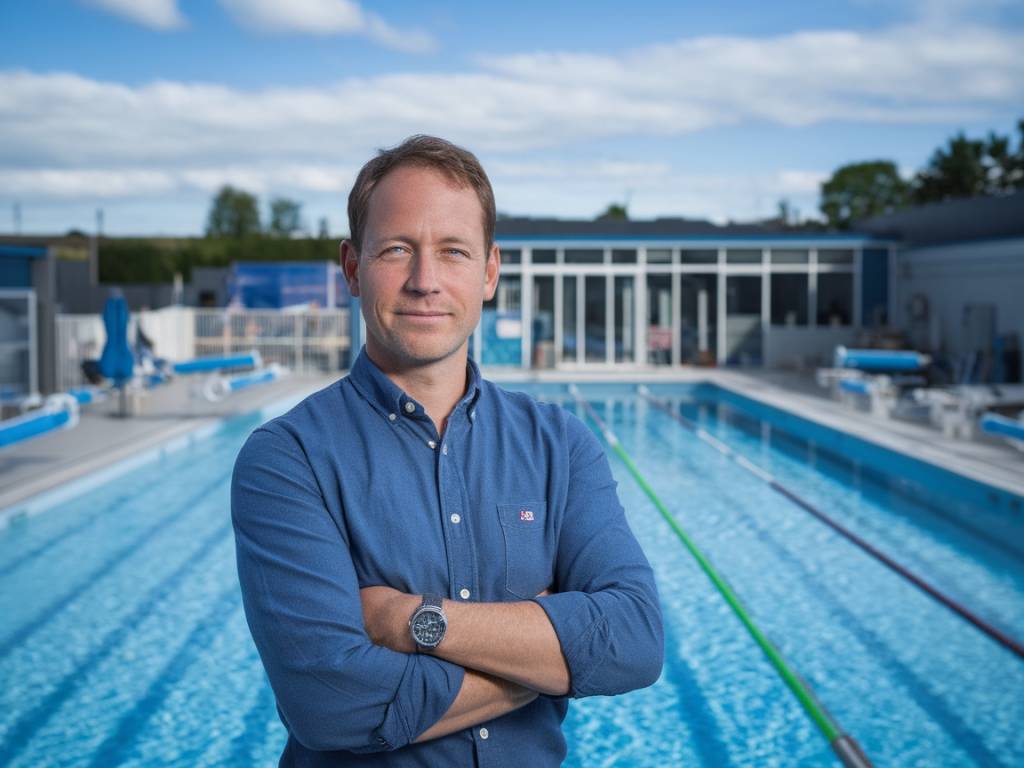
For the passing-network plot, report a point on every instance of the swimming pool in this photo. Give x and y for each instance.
(122, 639)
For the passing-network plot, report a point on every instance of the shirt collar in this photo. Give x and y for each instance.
(390, 398)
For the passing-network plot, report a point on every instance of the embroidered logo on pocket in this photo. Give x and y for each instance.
(526, 515)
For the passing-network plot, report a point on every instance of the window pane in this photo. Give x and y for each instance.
(659, 319)
(698, 257)
(624, 256)
(511, 256)
(569, 318)
(502, 324)
(743, 256)
(543, 256)
(698, 313)
(835, 256)
(835, 298)
(595, 310)
(584, 256)
(543, 321)
(743, 320)
(790, 257)
(659, 255)
(789, 299)
(624, 316)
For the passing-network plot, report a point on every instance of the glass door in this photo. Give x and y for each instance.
(595, 319)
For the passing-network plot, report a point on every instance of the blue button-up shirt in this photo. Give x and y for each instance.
(354, 487)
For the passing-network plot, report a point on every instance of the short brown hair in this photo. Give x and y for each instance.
(458, 164)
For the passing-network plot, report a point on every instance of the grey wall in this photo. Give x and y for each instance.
(954, 276)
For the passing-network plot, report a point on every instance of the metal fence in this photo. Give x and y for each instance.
(305, 342)
(79, 337)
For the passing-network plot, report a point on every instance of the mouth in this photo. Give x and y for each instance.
(421, 317)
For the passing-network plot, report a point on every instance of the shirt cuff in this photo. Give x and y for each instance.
(582, 632)
(426, 691)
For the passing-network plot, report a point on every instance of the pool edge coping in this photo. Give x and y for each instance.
(86, 475)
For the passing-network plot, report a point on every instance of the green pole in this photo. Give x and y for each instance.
(845, 747)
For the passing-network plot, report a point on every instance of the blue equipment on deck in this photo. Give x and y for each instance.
(117, 362)
(218, 387)
(209, 364)
(59, 412)
(1003, 426)
(880, 359)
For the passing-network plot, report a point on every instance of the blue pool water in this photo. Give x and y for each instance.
(122, 638)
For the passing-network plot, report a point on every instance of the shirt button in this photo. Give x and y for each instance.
(391, 417)
(484, 733)
(432, 444)
(444, 449)
(410, 407)
(464, 593)
(456, 519)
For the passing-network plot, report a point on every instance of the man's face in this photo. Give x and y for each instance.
(424, 270)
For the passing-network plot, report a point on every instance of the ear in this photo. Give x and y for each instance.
(491, 272)
(349, 258)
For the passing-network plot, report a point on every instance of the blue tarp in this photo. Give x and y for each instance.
(117, 362)
(261, 285)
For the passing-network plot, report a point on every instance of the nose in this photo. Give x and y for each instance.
(423, 274)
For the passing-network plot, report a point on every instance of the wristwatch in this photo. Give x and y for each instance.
(428, 623)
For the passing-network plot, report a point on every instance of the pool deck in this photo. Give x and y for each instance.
(102, 439)
(990, 461)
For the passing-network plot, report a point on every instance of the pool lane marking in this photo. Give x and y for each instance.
(105, 568)
(21, 731)
(993, 632)
(844, 745)
(121, 741)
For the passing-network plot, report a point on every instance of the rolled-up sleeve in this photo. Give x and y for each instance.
(605, 611)
(334, 688)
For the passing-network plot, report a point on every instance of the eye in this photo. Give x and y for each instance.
(456, 253)
(394, 250)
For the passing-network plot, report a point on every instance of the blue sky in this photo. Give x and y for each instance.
(145, 107)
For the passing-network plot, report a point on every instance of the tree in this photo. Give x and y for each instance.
(614, 211)
(861, 190)
(323, 231)
(971, 167)
(233, 213)
(285, 217)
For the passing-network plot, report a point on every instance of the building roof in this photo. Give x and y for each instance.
(975, 218)
(524, 228)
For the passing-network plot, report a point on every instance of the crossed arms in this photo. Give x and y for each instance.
(340, 658)
(509, 650)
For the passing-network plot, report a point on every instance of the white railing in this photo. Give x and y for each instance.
(79, 337)
(311, 341)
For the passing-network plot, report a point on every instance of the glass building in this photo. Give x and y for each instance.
(670, 292)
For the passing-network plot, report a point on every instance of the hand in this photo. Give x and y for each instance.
(386, 614)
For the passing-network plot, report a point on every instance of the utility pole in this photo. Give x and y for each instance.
(17, 218)
(94, 249)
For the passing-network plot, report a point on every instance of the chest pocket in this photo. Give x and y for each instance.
(528, 556)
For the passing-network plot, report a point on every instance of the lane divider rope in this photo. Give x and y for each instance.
(845, 746)
(1011, 644)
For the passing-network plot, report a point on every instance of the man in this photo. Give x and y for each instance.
(431, 565)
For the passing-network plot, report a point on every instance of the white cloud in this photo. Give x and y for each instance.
(326, 17)
(156, 14)
(66, 135)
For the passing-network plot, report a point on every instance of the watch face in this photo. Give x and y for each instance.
(428, 628)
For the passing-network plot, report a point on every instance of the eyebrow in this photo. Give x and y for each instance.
(448, 240)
